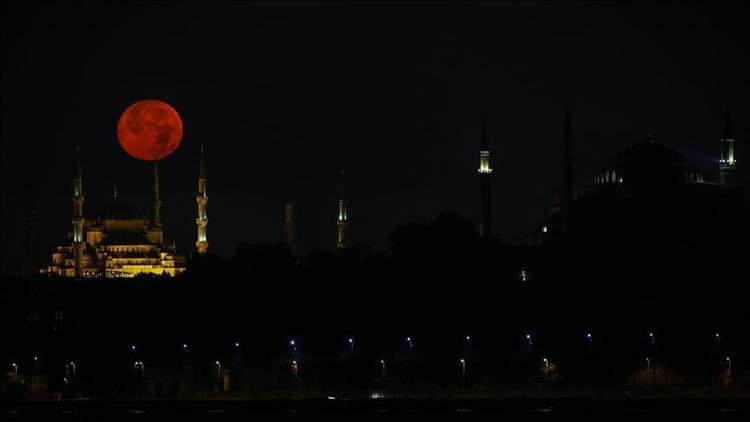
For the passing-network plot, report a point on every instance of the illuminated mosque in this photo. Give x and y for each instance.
(114, 242)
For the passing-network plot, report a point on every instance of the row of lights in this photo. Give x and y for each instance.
(350, 341)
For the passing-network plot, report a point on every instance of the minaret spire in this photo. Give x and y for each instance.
(342, 223)
(78, 220)
(202, 199)
(566, 198)
(485, 191)
(289, 222)
(157, 201)
(727, 162)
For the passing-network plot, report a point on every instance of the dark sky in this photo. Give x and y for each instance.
(394, 93)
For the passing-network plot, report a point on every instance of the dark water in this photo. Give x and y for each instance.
(385, 410)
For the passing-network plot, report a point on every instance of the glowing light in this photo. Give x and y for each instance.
(149, 130)
(236, 344)
(544, 229)
(484, 162)
(351, 341)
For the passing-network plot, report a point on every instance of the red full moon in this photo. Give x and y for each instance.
(149, 130)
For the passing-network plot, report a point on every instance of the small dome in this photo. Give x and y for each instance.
(115, 210)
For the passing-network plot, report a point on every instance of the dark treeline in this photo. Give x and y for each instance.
(437, 283)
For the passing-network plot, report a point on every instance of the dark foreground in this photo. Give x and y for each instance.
(356, 410)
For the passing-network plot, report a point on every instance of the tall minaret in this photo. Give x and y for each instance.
(156, 235)
(485, 191)
(78, 217)
(566, 197)
(202, 199)
(289, 223)
(727, 163)
(342, 223)
(157, 201)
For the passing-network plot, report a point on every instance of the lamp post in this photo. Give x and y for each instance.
(382, 367)
(218, 369)
(293, 346)
(15, 368)
(295, 369)
(651, 338)
(75, 383)
(36, 362)
(546, 366)
(463, 370)
(468, 342)
(351, 345)
(590, 339)
(409, 342)
(528, 340)
(729, 363)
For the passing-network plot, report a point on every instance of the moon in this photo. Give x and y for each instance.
(149, 130)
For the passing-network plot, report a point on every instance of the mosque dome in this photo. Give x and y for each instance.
(648, 163)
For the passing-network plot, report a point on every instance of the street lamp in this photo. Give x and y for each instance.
(218, 368)
(528, 339)
(185, 347)
(295, 369)
(15, 368)
(590, 339)
(729, 363)
(351, 345)
(293, 345)
(546, 365)
(648, 365)
(468, 341)
(73, 365)
(382, 366)
(651, 338)
(409, 342)
(463, 370)
(36, 362)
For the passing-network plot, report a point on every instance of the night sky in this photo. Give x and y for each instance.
(393, 93)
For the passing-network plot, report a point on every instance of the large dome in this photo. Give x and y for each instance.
(648, 163)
